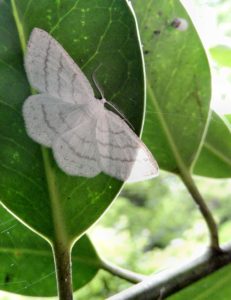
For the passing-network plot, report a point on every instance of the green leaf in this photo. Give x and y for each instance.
(228, 117)
(93, 33)
(215, 286)
(27, 265)
(222, 55)
(178, 84)
(215, 157)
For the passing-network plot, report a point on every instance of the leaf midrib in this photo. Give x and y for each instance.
(217, 153)
(180, 163)
(166, 130)
(59, 228)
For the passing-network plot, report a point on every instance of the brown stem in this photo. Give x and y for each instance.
(122, 273)
(63, 271)
(208, 217)
(167, 282)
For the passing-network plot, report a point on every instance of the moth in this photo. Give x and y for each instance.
(86, 138)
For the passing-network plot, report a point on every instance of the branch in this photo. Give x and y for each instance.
(208, 217)
(63, 271)
(122, 273)
(167, 282)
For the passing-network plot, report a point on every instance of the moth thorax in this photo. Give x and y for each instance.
(94, 108)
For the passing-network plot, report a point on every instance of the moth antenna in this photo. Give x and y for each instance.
(97, 85)
(120, 114)
(109, 103)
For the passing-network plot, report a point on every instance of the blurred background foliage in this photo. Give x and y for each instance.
(155, 224)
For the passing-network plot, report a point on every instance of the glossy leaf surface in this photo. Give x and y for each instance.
(215, 157)
(215, 286)
(178, 83)
(93, 33)
(27, 264)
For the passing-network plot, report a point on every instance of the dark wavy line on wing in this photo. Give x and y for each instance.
(77, 153)
(46, 65)
(117, 159)
(127, 146)
(60, 69)
(47, 121)
(110, 131)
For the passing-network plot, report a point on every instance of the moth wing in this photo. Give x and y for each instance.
(45, 118)
(76, 150)
(122, 154)
(52, 71)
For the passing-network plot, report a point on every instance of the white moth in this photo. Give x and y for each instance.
(85, 137)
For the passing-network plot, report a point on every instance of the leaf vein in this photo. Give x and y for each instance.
(21, 175)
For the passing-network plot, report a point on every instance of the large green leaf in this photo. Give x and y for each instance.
(215, 157)
(27, 265)
(178, 84)
(215, 286)
(93, 32)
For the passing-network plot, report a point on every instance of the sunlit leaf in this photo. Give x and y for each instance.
(178, 83)
(215, 286)
(27, 265)
(215, 156)
(93, 33)
(222, 55)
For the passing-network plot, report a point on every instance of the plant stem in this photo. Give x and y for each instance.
(62, 258)
(122, 273)
(61, 245)
(211, 224)
(168, 282)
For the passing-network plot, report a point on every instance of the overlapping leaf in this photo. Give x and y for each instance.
(215, 157)
(27, 264)
(215, 286)
(178, 83)
(222, 55)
